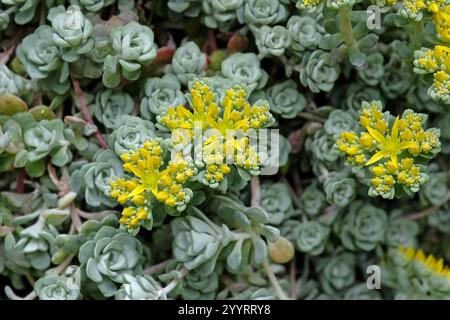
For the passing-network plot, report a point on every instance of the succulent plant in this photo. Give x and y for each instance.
(92, 178)
(42, 59)
(245, 69)
(71, 32)
(285, 99)
(188, 62)
(159, 94)
(109, 257)
(224, 149)
(320, 71)
(134, 46)
(131, 133)
(110, 105)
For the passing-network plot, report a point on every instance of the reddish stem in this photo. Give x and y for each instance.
(255, 187)
(212, 40)
(20, 186)
(293, 279)
(5, 55)
(211, 44)
(85, 112)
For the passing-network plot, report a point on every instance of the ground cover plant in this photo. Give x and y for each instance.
(224, 149)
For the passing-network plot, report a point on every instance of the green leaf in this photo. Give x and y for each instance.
(368, 42)
(55, 216)
(35, 169)
(11, 104)
(331, 41)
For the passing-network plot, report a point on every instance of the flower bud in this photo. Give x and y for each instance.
(281, 251)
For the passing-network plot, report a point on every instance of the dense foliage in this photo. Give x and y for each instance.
(108, 192)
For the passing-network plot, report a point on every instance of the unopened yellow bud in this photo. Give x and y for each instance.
(122, 198)
(180, 177)
(142, 214)
(407, 163)
(138, 199)
(114, 193)
(366, 140)
(378, 170)
(128, 211)
(389, 180)
(133, 223)
(224, 169)
(441, 76)
(381, 125)
(364, 121)
(170, 202)
(166, 180)
(348, 136)
(376, 181)
(175, 188)
(391, 166)
(360, 159)
(131, 184)
(162, 196)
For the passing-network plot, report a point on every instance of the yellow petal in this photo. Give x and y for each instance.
(394, 160)
(376, 135)
(407, 145)
(394, 132)
(376, 157)
(138, 173)
(138, 190)
(240, 124)
(184, 112)
(155, 190)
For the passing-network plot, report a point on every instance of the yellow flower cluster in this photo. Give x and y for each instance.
(375, 142)
(434, 266)
(150, 181)
(387, 174)
(414, 8)
(435, 61)
(427, 60)
(222, 124)
(308, 4)
(441, 17)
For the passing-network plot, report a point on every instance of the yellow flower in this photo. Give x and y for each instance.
(390, 146)
(435, 266)
(149, 178)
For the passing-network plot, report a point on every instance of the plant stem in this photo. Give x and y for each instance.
(20, 186)
(5, 55)
(76, 221)
(273, 280)
(174, 283)
(292, 278)
(256, 191)
(256, 197)
(346, 25)
(416, 34)
(95, 215)
(157, 267)
(427, 211)
(85, 112)
(61, 267)
(310, 116)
